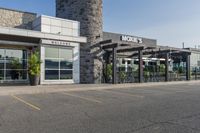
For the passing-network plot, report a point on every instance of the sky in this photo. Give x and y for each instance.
(171, 22)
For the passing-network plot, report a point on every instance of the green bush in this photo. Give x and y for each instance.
(122, 76)
(34, 63)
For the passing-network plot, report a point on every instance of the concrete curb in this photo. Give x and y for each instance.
(14, 90)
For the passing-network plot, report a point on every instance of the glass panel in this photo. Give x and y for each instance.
(1, 74)
(16, 54)
(51, 74)
(51, 52)
(66, 54)
(51, 64)
(2, 54)
(66, 64)
(2, 64)
(16, 64)
(66, 74)
(16, 74)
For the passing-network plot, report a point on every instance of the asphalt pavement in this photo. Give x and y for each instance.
(171, 108)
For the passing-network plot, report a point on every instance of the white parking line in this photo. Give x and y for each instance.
(84, 98)
(25, 102)
(123, 93)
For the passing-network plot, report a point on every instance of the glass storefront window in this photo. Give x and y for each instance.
(13, 64)
(2, 54)
(66, 64)
(51, 64)
(2, 64)
(1, 74)
(51, 74)
(15, 54)
(51, 52)
(66, 54)
(16, 74)
(66, 74)
(58, 63)
(16, 64)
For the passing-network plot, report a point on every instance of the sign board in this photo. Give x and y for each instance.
(131, 39)
(55, 42)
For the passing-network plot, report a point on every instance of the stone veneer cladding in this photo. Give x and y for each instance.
(89, 14)
(16, 19)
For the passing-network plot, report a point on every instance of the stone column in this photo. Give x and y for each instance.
(89, 14)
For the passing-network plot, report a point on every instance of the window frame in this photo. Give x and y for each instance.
(59, 63)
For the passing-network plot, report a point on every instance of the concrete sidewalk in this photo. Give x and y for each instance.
(22, 89)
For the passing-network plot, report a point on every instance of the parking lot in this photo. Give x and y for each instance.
(152, 109)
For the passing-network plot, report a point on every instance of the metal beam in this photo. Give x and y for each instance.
(187, 67)
(167, 67)
(140, 70)
(129, 49)
(110, 46)
(106, 41)
(114, 66)
(101, 43)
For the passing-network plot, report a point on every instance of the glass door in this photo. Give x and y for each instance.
(58, 63)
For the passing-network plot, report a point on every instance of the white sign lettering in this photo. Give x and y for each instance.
(54, 42)
(131, 39)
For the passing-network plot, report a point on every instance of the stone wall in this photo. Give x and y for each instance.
(89, 14)
(16, 19)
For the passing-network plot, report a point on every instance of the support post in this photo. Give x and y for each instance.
(167, 67)
(114, 66)
(195, 73)
(188, 67)
(107, 61)
(140, 72)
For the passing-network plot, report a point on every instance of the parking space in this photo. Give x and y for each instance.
(108, 111)
(42, 101)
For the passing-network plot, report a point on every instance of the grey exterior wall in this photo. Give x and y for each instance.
(16, 19)
(89, 14)
(117, 38)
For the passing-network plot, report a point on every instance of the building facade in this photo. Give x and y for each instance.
(74, 49)
(58, 41)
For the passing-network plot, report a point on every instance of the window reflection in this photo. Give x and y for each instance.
(2, 54)
(51, 52)
(14, 65)
(52, 64)
(16, 74)
(13, 54)
(1, 74)
(52, 74)
(66, 54)
(66, 64)
(66, 74)
(58, 63)
(2, 64)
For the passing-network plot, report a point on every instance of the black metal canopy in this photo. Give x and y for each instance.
(132, 50)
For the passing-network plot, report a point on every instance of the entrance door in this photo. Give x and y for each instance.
(58, 63)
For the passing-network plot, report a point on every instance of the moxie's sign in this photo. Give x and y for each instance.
(131, 39)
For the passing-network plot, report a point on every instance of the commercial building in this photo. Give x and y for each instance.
(57, 39)
(74, 49)
(151, 61)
